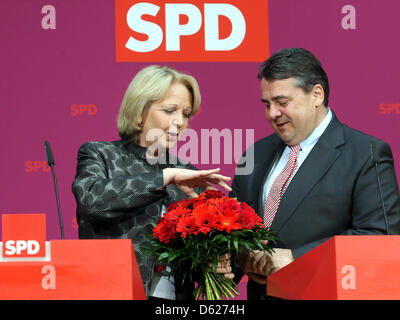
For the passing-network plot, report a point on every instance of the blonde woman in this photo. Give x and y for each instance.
(121, 188)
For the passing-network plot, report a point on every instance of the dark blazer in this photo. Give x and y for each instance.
(119, 195)
(334, 192)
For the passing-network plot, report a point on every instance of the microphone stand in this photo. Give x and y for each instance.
(51, 162)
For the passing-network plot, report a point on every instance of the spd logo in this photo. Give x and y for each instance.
(187, 30)
(24, 235)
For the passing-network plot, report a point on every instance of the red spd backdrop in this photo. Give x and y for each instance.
(66, 65)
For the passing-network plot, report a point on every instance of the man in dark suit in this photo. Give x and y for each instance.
(315, 177)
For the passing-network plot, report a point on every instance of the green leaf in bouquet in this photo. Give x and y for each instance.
(235, 244)
(173, 256)
(163, 256)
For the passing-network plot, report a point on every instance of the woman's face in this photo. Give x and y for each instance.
(167, 118)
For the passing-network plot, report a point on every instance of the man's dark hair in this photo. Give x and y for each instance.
(299, 64)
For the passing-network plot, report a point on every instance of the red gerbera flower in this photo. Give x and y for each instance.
(208, 194)
(215, 201)
(197, 202)
(164, 230)
(186, 226)
(172, 206)
(229, 204)
(177, 213)
(248, 217)
(184, 203)
(229, 221)
(205, 217)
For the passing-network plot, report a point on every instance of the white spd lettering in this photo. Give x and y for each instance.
(16, 247)
(174, 30)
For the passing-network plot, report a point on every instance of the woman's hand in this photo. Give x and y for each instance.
(186, 180)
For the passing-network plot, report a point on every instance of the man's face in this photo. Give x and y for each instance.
(292, 113)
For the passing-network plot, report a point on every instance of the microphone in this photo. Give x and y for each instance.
(376, 160)
(51, 163)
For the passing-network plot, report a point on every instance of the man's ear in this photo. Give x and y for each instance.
(318, 94)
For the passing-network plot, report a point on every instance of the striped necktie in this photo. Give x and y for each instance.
(279, 186)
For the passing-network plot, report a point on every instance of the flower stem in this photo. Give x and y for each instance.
(223, 288)
(209, 292)
(212, 282)
(214, 287)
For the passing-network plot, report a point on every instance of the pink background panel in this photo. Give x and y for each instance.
(45, 72)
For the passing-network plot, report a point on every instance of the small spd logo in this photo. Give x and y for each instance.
(24, 235)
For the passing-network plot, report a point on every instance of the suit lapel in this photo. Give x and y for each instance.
(323, 155)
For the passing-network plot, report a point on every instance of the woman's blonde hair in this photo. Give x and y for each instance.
(150, 85)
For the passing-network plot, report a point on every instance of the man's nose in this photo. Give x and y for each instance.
(274, 112)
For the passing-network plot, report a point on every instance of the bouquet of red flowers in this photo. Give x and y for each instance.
(193, 233)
